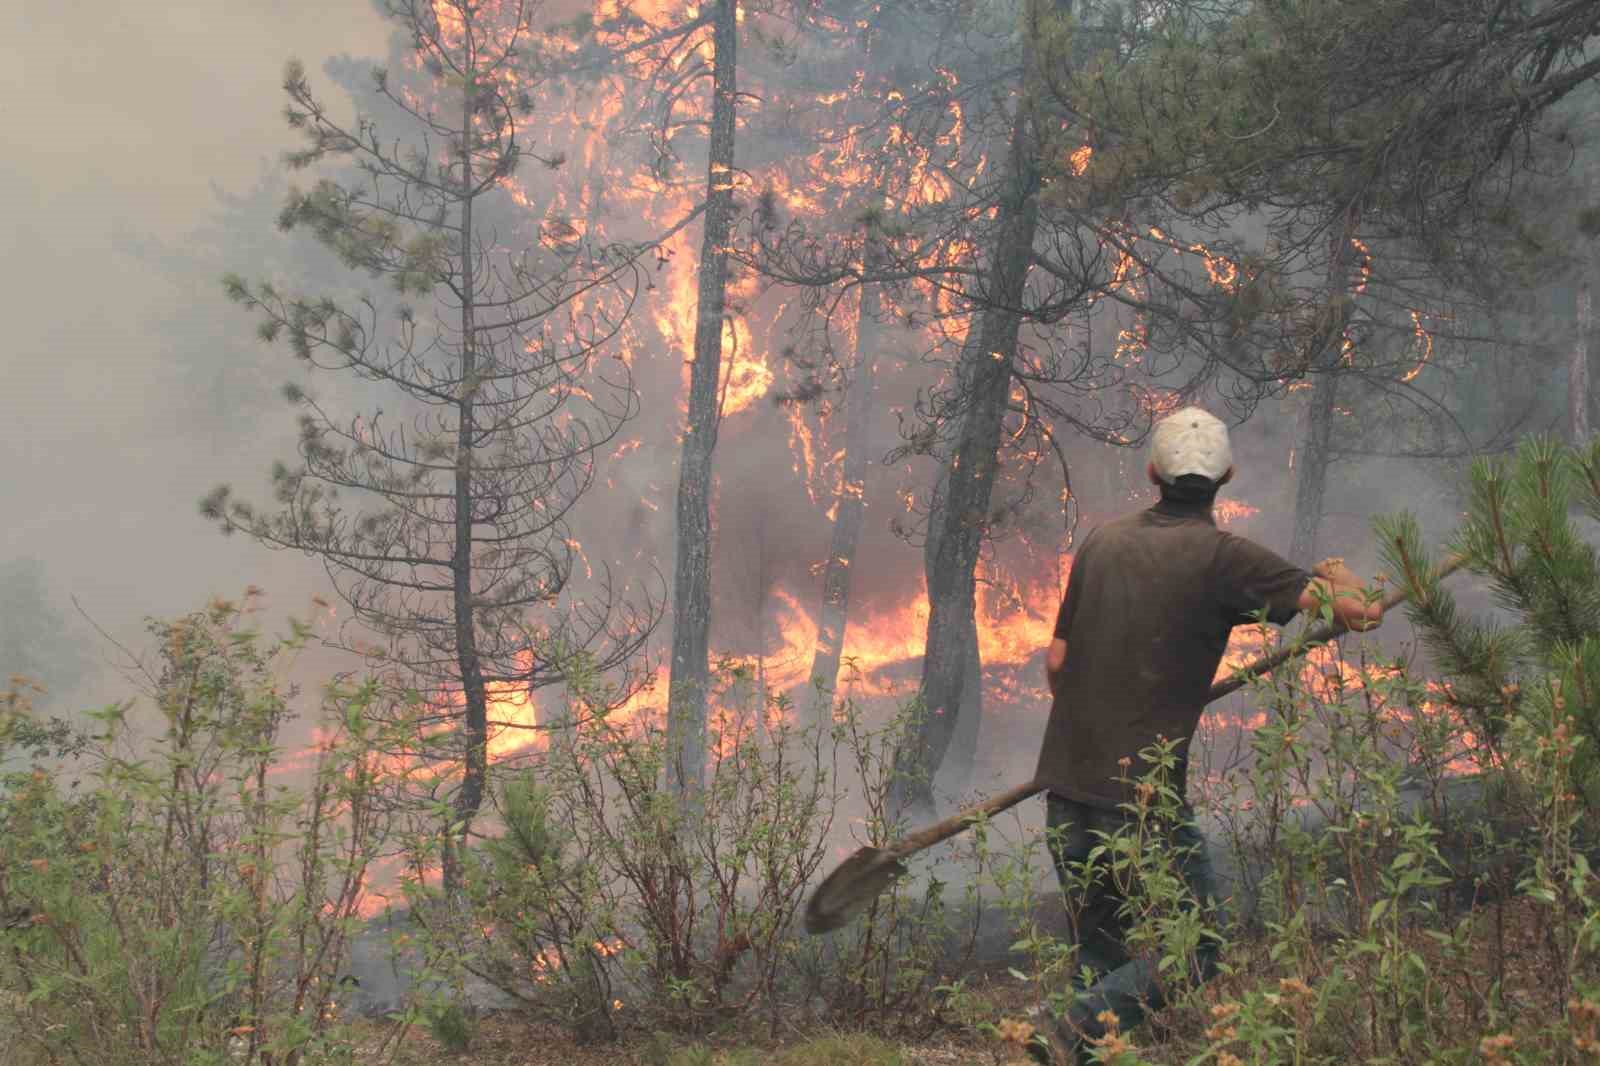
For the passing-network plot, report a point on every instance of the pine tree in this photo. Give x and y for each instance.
(1415, 130)
(1519, 535)
(441, 514)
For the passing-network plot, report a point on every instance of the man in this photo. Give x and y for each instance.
(1150, 602)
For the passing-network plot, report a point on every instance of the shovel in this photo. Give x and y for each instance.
(858, 880)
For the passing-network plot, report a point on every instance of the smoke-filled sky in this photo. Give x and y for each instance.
(120, 116)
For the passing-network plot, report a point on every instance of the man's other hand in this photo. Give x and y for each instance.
(1054, 659)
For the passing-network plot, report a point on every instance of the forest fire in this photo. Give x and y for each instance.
(697, 412)
(791, 576)
(886, 630)
(883, 650)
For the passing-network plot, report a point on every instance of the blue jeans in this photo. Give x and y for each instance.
(1125, 985)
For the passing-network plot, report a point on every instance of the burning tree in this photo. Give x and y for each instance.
(959, 515)
(1379, 151)
(852, 152)
(453, 539)
(1011, 279)
(689, 68)
(849, 503)
(882, 250)
(658, 59)
(691, 590)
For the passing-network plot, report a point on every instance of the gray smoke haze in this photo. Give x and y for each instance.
(122, 122)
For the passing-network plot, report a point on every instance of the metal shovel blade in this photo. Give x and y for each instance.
(850, 888)
(847, 891)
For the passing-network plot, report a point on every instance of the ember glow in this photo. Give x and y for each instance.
(1156, 403)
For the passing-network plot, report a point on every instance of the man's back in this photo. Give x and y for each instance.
(1150, 602)
(1149, 605)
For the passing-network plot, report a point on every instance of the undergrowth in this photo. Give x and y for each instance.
(1411, 843)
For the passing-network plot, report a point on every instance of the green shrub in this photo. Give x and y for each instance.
(1518, 536)
(449, 1024)
(183, 902)
(603, 892)
(892, 965)
(854, 1049)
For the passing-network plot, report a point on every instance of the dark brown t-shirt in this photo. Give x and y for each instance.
(1150, 602)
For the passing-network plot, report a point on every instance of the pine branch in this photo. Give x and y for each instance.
(1478, 658)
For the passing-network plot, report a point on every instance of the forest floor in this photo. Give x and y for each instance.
(505, 1040)
(1526, 996)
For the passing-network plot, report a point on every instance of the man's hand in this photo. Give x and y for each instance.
(1351, 606)
(1333, 569)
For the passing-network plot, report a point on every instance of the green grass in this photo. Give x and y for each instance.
(837, 1050)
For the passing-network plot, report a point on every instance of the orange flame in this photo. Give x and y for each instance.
(1229, 511)
(1424, 339)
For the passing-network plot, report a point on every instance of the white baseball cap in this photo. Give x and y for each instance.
(1190, 441)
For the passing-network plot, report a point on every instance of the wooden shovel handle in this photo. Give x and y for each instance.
(1004, 801)
(958, 822)
(1315, 637)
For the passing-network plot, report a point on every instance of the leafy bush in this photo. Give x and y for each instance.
(1416, 857)
(898, 963)
(181, 901)
(606, 891)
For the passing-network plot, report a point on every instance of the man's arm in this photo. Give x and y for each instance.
(1055, 657)
(1354, 607)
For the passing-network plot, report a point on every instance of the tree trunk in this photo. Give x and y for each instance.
(951, 775)
(1314, 452)
(849, 505)
(957, 521)
(1578, 367)
(1312, 463)
(475, 727)
(691, 604)
(758, 611)
(956, 770)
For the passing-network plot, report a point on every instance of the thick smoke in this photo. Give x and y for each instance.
(133, 179)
